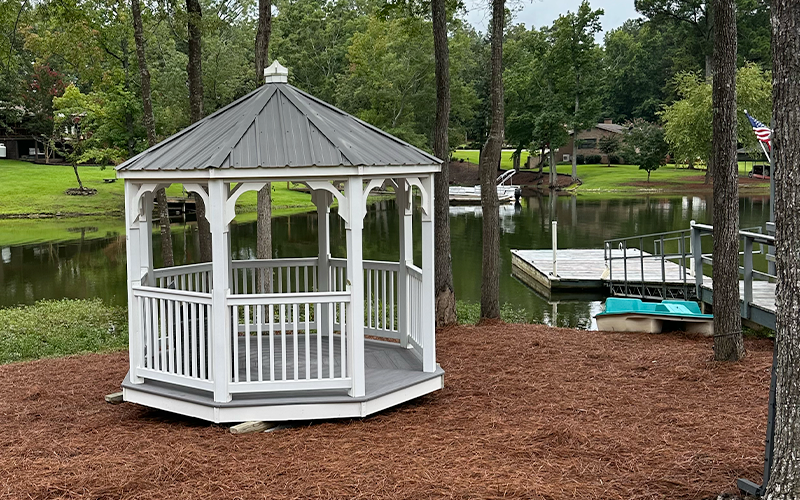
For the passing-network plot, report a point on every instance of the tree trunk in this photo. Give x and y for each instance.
(150, 127)
(575, 142)
(784, 482)
(264, 204)
(262, 38)
(728, 343)
(194, 66)
(75, 169)
(194, 69)
(490, 159)
(553, 169)
(443, 279)
(203, 229)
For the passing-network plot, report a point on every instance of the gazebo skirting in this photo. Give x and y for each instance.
(285, 352)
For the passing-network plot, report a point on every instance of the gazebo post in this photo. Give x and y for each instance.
(133, 249)
(323, 199)
(428, 301)
(355, 277)
(406, 256)
(221, 342)
(146, 239)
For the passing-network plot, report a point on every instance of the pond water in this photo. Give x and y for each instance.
(86, 258)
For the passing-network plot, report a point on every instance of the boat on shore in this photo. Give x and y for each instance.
(633, 315)
(471, 195)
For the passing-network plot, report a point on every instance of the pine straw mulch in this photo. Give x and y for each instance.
(527, 412)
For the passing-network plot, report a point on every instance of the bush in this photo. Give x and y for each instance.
(52, 328)
(593, 159)
(612, 158)
(580, 159)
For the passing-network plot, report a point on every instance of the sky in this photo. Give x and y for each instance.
(540, 13)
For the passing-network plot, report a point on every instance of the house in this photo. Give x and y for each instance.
(589, 141)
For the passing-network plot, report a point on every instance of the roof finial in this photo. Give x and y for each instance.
(276, 73)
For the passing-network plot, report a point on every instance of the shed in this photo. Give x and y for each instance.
(281, 339)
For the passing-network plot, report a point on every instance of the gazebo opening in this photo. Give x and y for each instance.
(289, 338)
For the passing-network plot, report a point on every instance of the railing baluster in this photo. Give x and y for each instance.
(170, 336)
(235, 334)
(296, 278)
(193, 332)
(391, 299)
(283, 341)
(375, 297)
(186, 351)
(308, 341)
(202, 333)
(343, 339)
(317, 319)
(271, 342)
(383, 306)
(260, 353)
(331, 311)
(247, 343)
(295, 341)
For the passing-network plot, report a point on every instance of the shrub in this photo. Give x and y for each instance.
(593, 159)
(612, 158)
(580, 159)
(52, 328)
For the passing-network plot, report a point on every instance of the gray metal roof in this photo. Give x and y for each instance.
(278, 126)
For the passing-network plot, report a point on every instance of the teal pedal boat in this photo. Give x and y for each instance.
(633, 315)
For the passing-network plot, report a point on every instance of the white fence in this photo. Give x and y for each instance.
(414, 289)
(274, 276)
(191, 278)
(174, 336)
(289, 341)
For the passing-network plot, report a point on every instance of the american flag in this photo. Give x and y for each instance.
(763, 133)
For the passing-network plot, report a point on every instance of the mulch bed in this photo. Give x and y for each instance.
(527, 412)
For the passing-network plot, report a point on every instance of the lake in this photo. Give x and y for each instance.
(79, 258)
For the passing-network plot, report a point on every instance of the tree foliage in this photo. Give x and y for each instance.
(645, 146)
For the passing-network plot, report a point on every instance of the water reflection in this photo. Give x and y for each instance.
(89, 264)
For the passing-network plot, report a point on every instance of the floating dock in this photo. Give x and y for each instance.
(649, 276)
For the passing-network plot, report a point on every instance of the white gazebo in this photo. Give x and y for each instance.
(281, 339)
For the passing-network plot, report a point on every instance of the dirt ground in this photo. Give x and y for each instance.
(527, 412)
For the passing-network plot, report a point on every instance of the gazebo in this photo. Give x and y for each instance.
(281, 339)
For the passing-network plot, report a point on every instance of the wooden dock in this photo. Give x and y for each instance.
(585, 270)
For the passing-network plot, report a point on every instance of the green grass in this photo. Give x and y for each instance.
(599, 178)
(473, 156)
(52, 328)
(26, 188)
(469, 313)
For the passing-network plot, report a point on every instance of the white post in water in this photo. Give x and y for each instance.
(554, 232)
(691, 249)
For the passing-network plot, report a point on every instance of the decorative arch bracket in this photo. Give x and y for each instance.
(372, 184)
(344, 204)
(136, 208)
(426, 208)
(201, 190)
(240, 189)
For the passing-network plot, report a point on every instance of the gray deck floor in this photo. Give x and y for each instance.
(380, 356)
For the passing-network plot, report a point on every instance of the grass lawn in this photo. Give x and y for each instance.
(473, 156)
(26, 188)
(599, 178)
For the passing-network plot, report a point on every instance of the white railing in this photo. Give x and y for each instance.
(380, 307)
(414, 289)
(174, 336)
(274, 276)
(289, 341)
(190, 278)
(338, 275)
